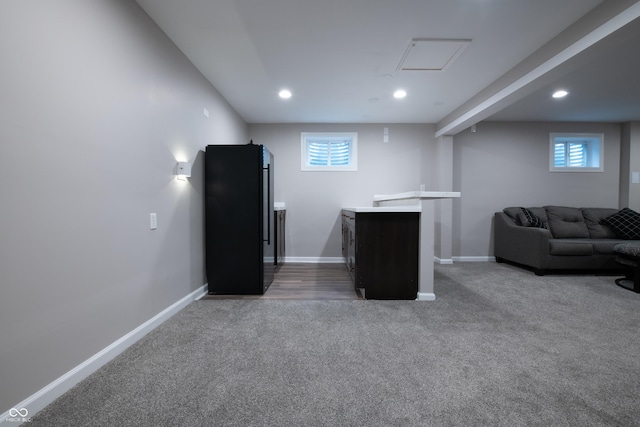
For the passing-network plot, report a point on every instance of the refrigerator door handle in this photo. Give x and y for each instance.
(269, 204)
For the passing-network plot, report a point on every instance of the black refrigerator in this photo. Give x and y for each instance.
(239, 236)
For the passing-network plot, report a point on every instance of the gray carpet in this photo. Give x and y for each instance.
(499, 347)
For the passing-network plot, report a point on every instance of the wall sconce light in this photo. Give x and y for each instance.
(183, 170)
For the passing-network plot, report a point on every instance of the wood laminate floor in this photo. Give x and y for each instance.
(306, 282)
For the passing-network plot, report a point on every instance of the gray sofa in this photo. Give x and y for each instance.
(557, 238)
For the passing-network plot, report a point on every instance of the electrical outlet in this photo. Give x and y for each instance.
(153, 221)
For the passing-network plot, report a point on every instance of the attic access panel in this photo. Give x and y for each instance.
(431, 54)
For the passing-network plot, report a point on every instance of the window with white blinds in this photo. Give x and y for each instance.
(572, 152)
(329, 151)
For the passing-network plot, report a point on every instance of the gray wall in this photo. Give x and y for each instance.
(314, 199)
(507, 164)
(630, 162)
(97, 106)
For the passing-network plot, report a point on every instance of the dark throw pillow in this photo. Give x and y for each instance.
(528, 219)
(625, 223)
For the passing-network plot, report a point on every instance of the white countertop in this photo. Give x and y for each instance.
(378, 209)
(417, 195)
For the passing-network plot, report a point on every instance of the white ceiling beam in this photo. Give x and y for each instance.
(601, 22)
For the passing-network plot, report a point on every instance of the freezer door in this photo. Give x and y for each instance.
(268, 251)
(233, 212)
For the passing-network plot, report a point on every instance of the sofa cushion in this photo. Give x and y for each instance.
(512, 213)
(529, 219)
(566, 222)
(539, 212)
(597, 229)
(569, 247)
(625, 223)
(605, 246)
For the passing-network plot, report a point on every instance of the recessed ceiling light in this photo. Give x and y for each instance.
(560, 94)
(284, 94)
(399, 94)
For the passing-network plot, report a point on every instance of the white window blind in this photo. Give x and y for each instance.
(570, 154)
(331, 151)
(328, 153)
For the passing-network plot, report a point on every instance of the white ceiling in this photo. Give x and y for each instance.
(340, 57)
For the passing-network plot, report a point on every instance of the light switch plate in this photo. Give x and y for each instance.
(635, 177)
(153, 221)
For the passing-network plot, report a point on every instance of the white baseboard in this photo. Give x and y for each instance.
(426, 296)
(340, 260)
(57, 388)
(473, 258)
(314, 260)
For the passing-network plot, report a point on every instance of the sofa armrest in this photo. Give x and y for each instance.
(523, 245)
